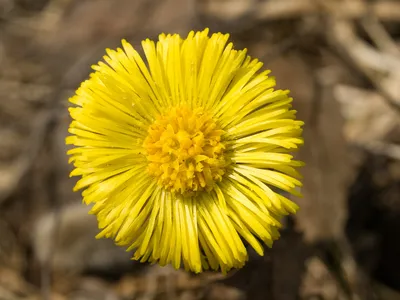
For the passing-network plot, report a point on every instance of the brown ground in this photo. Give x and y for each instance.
(340, 58)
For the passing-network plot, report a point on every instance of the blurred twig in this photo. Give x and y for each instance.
(382, 148)
(52, 180)
(42, 125)
(286, 45)
(379, 35)
(368, 61)
(350, 9)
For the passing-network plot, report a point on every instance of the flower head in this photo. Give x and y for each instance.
(183, 154)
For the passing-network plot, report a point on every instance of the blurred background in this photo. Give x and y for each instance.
(341, 60)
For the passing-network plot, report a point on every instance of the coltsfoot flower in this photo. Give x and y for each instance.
(183, 155)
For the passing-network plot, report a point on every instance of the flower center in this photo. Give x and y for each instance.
(184, 151)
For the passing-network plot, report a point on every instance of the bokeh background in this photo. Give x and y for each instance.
(341, 60)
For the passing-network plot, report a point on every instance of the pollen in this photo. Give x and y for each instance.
(184, 151)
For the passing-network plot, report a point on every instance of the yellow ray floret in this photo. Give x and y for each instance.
(184, 155)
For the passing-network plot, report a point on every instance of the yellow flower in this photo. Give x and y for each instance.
(183, 155)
